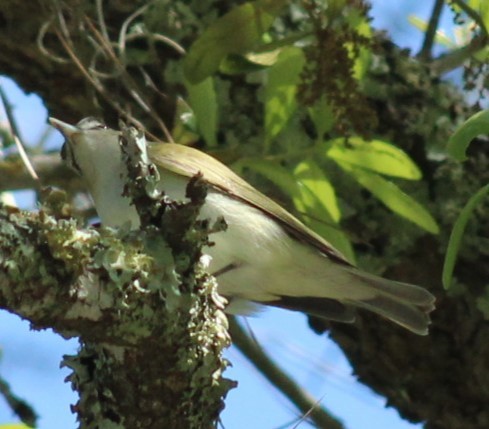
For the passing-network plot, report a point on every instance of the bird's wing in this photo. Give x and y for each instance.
(187, 161)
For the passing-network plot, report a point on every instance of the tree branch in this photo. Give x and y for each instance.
(151, 352)
(456, 58)
(425, 52)
(49, 168)
(308, 406)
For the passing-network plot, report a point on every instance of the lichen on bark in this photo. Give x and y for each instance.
(151, 330)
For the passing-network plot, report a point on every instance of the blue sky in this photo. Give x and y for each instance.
(30, 360)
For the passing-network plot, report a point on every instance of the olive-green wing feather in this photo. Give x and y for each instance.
(186, 161)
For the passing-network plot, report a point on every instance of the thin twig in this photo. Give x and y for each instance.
(170, 42)
(131, 86)
(19, 406)
(125, 26)
(67, 46)
(9, 110)
(150, 83)
(429, 38)
(123, 37)
(96, 84)
(101, 19)
(62, 23)
(309, 412)
(103, 45)
(303, 401)
(93, 68)
(40, 44)
(17, 138)
(26, 161)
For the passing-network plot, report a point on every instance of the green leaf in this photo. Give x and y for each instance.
(361, 24)
(310, 176)
(318, 204)
(237, 32)
(266, 58)
(316, 216)
(457, 234)
(15, 426)
(482, 55)
(471, 128)
(322, 115)
(481, 7)
(332, 234)
(440, 36)
(280, 90)
(319, 221)
(393, 197)
(274, 172)
(234, 64)
(484, 13)
(378, 156)
(203, 100)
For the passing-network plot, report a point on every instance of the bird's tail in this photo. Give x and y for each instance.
(405, 304)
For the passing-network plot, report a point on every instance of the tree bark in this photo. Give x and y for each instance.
(151, 325)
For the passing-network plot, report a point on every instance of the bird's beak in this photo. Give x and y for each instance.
(66, 129)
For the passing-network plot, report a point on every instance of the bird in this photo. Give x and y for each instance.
(266, 256)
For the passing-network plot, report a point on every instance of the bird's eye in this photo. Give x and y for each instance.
(100, 127)
(90, 124)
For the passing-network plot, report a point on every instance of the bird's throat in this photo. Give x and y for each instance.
(113, 209)
(116, 210)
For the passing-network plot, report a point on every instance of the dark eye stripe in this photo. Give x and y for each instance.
(76, 167)
(69, 159)
(63, 152)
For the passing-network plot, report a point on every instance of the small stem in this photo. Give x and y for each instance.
(14, 129)
(425, 52)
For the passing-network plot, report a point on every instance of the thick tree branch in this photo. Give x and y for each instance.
(151, 349)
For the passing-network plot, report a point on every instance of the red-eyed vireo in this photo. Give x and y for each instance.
(266, 255)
